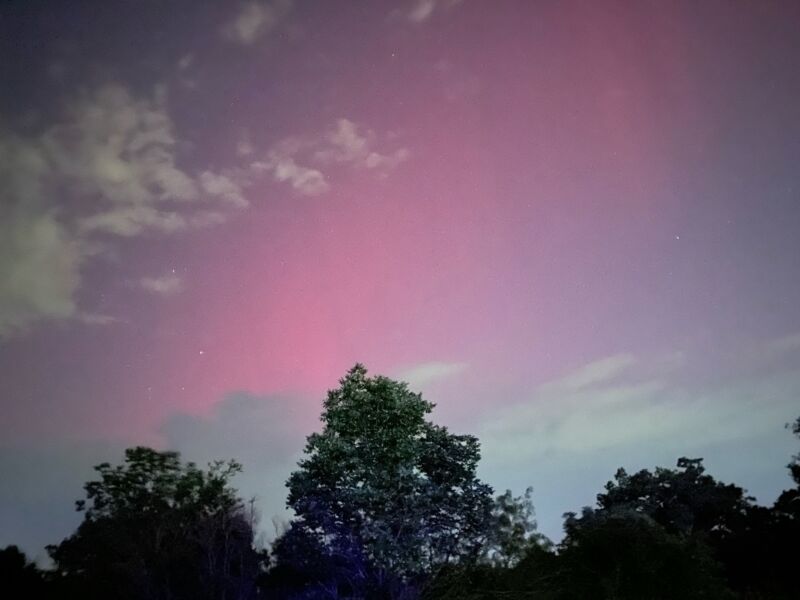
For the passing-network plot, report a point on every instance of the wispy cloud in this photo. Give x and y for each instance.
(255, 20)
(305, 180)
(165, 285)
(420, 375)
(301, 161)
(610, 404)
(107, 168)
(422, 10)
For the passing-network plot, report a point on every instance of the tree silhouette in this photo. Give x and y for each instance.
(385, 490)
(155, 528)
(625, 554)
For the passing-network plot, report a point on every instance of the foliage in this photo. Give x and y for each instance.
(17, 573)
(789, 501)
(624, 554)
(388, 506)
(383, 486)
(156, 528)
(513, 532)
(684, 500)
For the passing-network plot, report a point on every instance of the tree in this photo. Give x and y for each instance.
(513, 532)
(155, 528)
(625, 554)
(387, 491)
(684, 500)
(788, 503)
(17, 574)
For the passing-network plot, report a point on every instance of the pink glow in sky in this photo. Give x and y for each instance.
(578, 218)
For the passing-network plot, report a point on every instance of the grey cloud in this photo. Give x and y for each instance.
(108, 166)
(40, 264)
(224, 187)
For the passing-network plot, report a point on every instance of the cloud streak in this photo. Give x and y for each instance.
(609, 404)
(301, 161)
(423, 374)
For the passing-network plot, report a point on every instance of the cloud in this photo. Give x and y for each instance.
(418, 376)
(346, 144)
(40, 264)
(571, 434)
(305, 180)
(165, 285)
(300, 160)
(611, 404)
(107, 168)
(254, 20)
(222, 186)
(422, 10)
(595, 373)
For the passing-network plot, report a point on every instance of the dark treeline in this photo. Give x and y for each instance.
(388, 506)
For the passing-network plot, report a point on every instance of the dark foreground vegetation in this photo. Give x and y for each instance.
(388, 506)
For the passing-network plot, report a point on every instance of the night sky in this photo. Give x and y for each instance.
(574, 226)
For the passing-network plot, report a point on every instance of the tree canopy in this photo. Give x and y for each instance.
(384, 486)
(156, 528)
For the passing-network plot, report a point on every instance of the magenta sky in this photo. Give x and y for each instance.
(573, 225)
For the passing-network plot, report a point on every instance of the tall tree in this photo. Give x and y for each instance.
(386, 491)
(156, 528)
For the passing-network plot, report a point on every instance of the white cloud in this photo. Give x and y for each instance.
(345, 143)
(164, 285)
(300, 161)
(254, 20)
(305, 180)
(418, 376)
(222, 186)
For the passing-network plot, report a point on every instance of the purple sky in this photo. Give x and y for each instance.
(572, 225)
